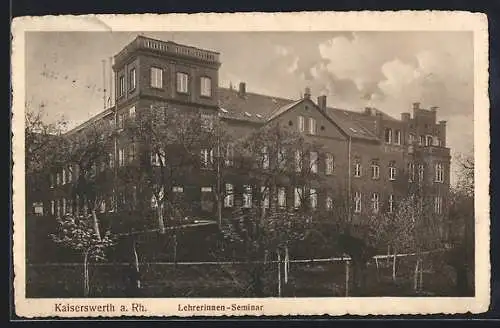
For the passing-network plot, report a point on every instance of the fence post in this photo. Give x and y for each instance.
(347, 264)
(279, 273)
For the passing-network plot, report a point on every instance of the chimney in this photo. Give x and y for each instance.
(307, 93)
(405, 117)
(243, 89)
(322, 102)
(416, 105)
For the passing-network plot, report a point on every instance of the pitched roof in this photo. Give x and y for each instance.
(258, 108)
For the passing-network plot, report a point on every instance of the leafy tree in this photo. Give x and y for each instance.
(78, 234)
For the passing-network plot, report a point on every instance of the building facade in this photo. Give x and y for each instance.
(373, 159)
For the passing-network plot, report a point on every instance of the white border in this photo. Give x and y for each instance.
(305, 21)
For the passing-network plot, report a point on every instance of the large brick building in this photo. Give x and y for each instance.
(373, 158)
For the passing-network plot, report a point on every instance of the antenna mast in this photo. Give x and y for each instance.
(104, 82)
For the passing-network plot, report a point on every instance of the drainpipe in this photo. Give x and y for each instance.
(349, 177)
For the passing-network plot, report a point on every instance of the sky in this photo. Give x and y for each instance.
(386, 70)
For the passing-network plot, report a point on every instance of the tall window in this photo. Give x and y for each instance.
(228, 161)
(298, 161)
(132, 79)
(301, 123)
(58, 208)
(312, 125)
(131, 152)
(52, 180)
(439, 172)
(438, 204)
(313, 198)
(357, 168)
(229, 199)
(265, 158)
(121, 120)
(428, 141)
(330, 164)
(247, 196)
(357, 202)
(158, 158)
(206, 86)
(70, 173)
(297, 197)
(63, 206)
(421, 172)
(421, 141)
(375, 168)
(411, 171)
(121, 157)
(282, 159)
(388, 135)
(156, 77)
(207, 157)
(313, 158)
(52, 207)
(391, 203)
(397, 137)
(58, 178)
(392, 170)
(121, 86)
(131, 112)
(264, 196)
(281, 197)
(329, 203)
(411, 138)
(63, 176)
(182, 82)
(375, 204)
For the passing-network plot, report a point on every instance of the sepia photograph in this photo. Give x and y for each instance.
(249, 165)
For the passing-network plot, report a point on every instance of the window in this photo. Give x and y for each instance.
(282, 159)
(58, 208)
(52, 207)
(397, 137)
(391, 203)
(375, 168)
(313, 157)
(438, 204)
(264, 196)
(428, 141)
(388, 135)
(207, 158)
(121, 85)
(247, 196)
(357, 168)
(439, 172)
(182, 82)
(121, 157)
(51, 180)
(158, 158)
(63, 176)
(103, 206)
(281, 197)
(265, 158)
(375, 204)
(421, 172)
(111, 158)
(392, 170)
(436, 142)
(422, 141)
(297, 197)
(313, 198)
(206, 86)
(298, 161)
(207, 121)
(70, 174)
(411, 138)
(357, 202)
(329, 203)
(63, 206)
(132, 79)
(300, 123)
(330, 164)
(312, 125)
(121, 120)
(229, 155)
(131, 152)
(131, 112)
(229, 199)
(411, 172)
(156, 77)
